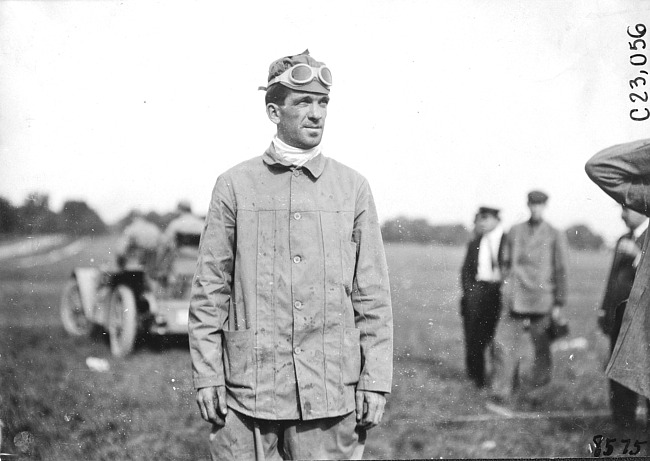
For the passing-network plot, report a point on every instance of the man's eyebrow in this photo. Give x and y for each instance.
(325, 99)
(306, 98)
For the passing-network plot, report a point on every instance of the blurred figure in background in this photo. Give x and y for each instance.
(481, 284)
(182, 235)
(623, 172)
(627, 255)
(534, 289)
(138, 246)
(187, 223)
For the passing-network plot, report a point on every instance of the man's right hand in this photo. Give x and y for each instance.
(212, 403)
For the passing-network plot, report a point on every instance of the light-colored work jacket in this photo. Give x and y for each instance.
(536, 260)
(291, 303)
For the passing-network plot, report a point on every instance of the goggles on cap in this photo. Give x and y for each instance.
(302, 74)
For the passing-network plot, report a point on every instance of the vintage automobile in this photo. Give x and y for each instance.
(128, 303)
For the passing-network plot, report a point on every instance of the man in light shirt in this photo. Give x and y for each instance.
(481, 284)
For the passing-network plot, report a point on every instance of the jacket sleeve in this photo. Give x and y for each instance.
(466, 273)
(623, 172)
(560, 261)
(371, 297)
(505, 254)
(211, 288)
(610, 298)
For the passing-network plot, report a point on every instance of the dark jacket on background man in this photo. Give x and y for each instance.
(619, 282)
(470, 264)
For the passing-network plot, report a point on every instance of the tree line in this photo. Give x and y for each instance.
(76, 217)
(34, 217)
(419, 230)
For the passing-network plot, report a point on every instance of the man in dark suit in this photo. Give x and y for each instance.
(481, 284)
(627, 254)
(623, 172)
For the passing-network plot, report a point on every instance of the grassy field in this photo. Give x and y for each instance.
(54, 407)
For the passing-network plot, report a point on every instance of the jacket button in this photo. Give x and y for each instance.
(297, 216)
(297, 259)
(296, 173)
(297, 305)
(297, 351)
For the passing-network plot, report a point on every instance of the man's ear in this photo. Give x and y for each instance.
(273, 112)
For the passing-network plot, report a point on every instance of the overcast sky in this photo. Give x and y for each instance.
(442, 105)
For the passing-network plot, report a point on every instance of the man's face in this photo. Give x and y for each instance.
(301, 119)
(536, 211)
(631, 218)
(486, 222)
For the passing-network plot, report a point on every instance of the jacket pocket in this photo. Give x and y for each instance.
(348, 264)
(351, 356)
(238, 358)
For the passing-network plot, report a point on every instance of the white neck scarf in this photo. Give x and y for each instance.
(294, 155)
(488, 256)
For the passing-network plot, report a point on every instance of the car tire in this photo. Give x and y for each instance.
(72, 312)
(122, 321)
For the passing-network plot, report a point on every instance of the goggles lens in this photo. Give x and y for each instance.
(325, 75)
(301, 74)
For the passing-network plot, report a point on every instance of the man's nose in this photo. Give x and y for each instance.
(316, 111)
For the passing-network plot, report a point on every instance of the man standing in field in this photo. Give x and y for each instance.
(627, 255)
(481, 284)
(623, 172)
(534, 289)
(290, 318)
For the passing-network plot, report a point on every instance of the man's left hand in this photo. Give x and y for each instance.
(370, 408)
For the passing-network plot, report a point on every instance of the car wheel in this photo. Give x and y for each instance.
(73, 317)
(122, 321)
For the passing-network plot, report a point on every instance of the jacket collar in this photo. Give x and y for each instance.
(315, 166)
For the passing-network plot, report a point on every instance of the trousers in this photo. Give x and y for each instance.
(515, 334)
(247, 438)
(480, 310)
(623, 401)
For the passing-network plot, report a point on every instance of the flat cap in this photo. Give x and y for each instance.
(537, 197)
